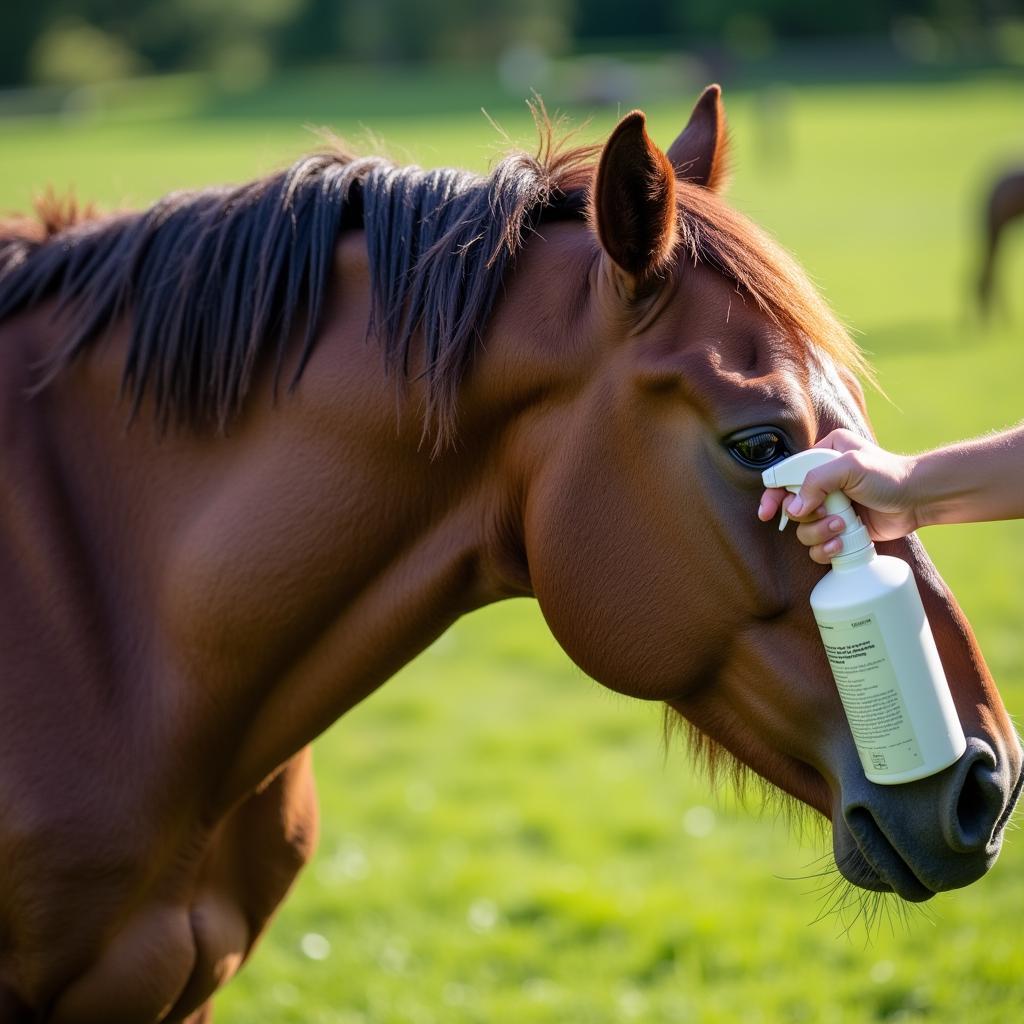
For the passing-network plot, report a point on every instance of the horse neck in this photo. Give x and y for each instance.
(273, 578)
(403, 541)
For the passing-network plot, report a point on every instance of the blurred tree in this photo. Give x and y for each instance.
(73, 52)
(243, 38)
(603, 19)
(314, 33)
(23, 24)
(456, 29)
(792, 18)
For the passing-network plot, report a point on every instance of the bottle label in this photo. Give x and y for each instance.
(874, 705)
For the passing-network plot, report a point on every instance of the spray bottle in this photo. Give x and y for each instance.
(880, 646)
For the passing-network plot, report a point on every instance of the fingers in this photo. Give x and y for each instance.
(824, 553)
(838, 475)
(776, 498)
(843, 440)
(822, 537)
(771, 502)
(818, 483)
(820, 532)
(800, 511)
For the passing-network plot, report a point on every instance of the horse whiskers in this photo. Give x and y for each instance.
(834, 889)
(849, 902)
(865, 908)
(840, 896)
(830, 869)
(833, 898)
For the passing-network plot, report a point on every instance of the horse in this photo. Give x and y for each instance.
(1003, 206)
(264, 444)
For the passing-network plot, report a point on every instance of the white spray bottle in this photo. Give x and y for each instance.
(880, 646)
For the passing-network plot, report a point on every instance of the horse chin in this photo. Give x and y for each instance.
(870, 862)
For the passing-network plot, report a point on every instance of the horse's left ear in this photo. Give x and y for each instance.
(634, 202)
(700, 153)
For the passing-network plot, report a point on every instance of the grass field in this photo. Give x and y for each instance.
(504, 841)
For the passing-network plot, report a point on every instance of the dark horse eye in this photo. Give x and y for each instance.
(758, 447)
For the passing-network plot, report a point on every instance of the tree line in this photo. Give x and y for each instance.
(55, 40)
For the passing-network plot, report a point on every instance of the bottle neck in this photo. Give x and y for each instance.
(855, 559)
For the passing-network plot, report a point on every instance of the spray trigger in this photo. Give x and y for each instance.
(789, 474)
(783, 514)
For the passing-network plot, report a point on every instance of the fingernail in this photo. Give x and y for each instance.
(835, 525)
(833, 546)
(796, 506)
(760, 510)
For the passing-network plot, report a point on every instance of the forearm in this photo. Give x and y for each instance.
(970, 482)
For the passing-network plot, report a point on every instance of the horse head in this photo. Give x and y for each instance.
(711, 358)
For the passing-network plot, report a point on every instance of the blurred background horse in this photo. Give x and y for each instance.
(1004, 206)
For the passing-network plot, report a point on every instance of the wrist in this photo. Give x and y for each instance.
(931, 491)
(911, 492)
(919, 504)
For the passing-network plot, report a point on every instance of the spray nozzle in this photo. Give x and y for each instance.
(790, 473)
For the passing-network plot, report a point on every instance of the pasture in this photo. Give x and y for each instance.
(502, 839)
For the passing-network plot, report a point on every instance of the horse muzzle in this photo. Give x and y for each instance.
(938, 833)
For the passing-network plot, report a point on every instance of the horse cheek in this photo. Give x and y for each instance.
(621, 600)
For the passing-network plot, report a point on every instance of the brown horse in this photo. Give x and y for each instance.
(1005, 204)
(570, 381)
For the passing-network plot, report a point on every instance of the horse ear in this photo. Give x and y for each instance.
(700, 153)
(634, 200)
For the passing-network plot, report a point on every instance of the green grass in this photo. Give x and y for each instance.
(505, 841)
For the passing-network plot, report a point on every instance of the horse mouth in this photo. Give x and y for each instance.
(873, 863)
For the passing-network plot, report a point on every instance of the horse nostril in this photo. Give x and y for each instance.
(979, 805)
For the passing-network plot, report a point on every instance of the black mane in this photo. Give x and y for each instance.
(217, 280)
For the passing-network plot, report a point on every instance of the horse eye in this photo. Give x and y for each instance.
(758, 448)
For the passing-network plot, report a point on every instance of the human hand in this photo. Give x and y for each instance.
(876, 480)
